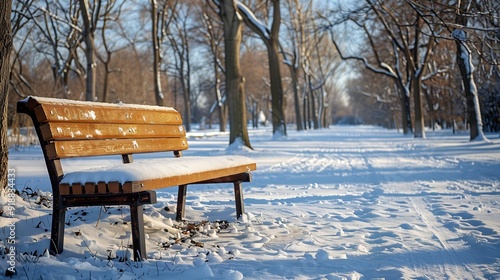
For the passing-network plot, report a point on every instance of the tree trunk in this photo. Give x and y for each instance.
(160, 100)
(5, 49)
(271, 40)
(221, 108)
(185, 94)
(305, 108)
(279, 125)
(416, 83)
(187, 102)
(312, 104)
(417, 103)
(464, 61)
(324, 110)
(88, 34)
(405, 108)
(105, 87)
(235, 94)
(433, 114)
(295, 86)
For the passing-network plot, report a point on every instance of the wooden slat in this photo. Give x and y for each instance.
(83, 131)
(241, 177)
(102, 187)
(148, 197)
(76, 189)
(127, 187)
(106, 113)
(114, 187)
(64, 189)
(90, 188)
(187, 179)
(84, 148)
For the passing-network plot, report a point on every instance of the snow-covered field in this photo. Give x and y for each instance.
(349, 202)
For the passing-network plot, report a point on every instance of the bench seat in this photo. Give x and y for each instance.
(154, 174)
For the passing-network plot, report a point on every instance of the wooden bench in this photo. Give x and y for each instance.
(68, 129)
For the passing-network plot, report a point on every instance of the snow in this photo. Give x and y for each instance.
(349, 202)
(154, 168)
(465, 53)
(91, 113)
(459, 34)
(253, 19)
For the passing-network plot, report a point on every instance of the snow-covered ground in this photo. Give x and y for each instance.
(349, 202)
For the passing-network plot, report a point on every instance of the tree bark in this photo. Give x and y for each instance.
(234, 80)
(312, 98)
(221, 106)
(180, 45)
(417, 84)
(279, 125)
(295, 85)
(5, 50)
(213, 42)
(464, 61)
(293, 59)
(160, 100)
(271, 40)
(88, 34)
(406, 114)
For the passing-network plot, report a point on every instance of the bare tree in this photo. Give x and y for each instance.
(213, 35)
(161, 16)
(416, 30)
(464, 61)
(93, 13)
(296, 52)
(271, 40)
(88, 32)
(257, 86)
(321, 72)
(473, 26)
(179, 38)
(373, 101)
(136, 37)
(390, 68)
(234, 80)
(54, 35)
(407, 40)
(5, 50)
(112, 12)
(18, 82)
(156, 40)
(412, 50)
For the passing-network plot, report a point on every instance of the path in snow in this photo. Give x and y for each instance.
(343, 203)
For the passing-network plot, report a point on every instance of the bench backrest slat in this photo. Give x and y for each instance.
(79, 129)
(105, 113)
(84, 148)
(91, 131)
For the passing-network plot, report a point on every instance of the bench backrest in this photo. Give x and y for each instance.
(79, 129)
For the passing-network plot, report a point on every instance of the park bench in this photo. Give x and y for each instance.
(69, 129)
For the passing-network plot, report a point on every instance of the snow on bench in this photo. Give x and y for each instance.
(68, 129)
(173, 173)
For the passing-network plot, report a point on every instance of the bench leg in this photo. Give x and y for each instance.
(181, 202)
(238, 198)
(138, 236)
(57, 232)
